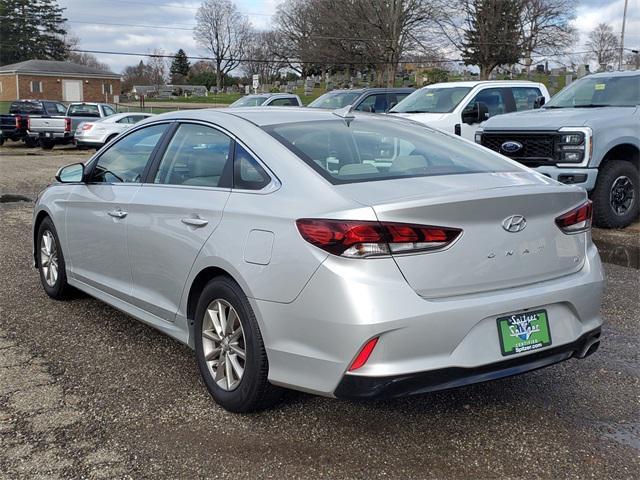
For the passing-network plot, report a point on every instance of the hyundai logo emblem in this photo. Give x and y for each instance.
(511, 146)
(514, 223)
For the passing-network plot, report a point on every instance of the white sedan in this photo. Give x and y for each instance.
(98, 132)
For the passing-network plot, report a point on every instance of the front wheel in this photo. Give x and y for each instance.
(229, 349)
(616, 195)
(50, 260)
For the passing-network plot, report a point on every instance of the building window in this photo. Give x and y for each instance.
(36, 87)
(0, 87)
(107, 88)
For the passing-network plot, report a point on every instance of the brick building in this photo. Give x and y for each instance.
(63, 81)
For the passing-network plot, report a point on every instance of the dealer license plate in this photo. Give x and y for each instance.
(524, 332)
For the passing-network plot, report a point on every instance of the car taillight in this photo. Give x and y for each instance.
(18, 122)
(87, 126)
(364, 354)
(361, 239)
(67, 124)
(577, 220)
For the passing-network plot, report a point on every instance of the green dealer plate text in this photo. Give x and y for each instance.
(524, 332)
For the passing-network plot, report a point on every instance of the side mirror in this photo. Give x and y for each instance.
(478, 113)
(391, 105)
(540, 101)
(73, 173)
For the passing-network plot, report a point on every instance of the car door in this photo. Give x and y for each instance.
(498, 102)
(174, 213)
(97, 211)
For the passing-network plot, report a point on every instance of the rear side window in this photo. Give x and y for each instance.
(377, 103)
(525, 97)
(126, 160)
(284, 102)
(368, 149)
(247, 172)
(83, 110)
(197, 155)
(108, 110)
(26, 108)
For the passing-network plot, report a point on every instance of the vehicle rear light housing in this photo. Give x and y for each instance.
(87, 126)
(363, 354)
(18, 122)
(576, 220)
(67, 124)
(362, 239)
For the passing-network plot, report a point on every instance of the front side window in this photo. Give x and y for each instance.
(284, 102)
(493, 98)
(61, 109)
(374, 103)
(368, 149)
(525, 97)
(126, 160)
(432, 100)
(197, 155)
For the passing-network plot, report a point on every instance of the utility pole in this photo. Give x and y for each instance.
(624, 20)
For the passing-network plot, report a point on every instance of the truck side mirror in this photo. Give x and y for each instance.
(540, 101)
(478, 113)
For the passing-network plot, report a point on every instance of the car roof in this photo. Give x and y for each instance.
(473, 83)
(373, 90)
(262, 116)
(269, 95)
(625, 73)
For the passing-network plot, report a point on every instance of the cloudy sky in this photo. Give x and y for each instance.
(141, 26)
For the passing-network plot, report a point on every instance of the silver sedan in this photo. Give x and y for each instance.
(344, 254)
(96, 133)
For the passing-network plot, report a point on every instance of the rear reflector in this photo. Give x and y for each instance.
(360, 239)
(364, 354)
(577, 220)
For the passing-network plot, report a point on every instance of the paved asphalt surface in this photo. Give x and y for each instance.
(87, 392)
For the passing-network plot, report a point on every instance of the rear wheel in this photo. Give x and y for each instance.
(47, 144)
(50, 260)
(616, 195)
(229, 349)
(31, 142)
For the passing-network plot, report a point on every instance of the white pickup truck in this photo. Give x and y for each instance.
(460, 107)
(52, 130)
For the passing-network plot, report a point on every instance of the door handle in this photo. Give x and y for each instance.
(195, 222)
(117, 213)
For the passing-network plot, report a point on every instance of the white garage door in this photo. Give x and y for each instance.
(72, 90)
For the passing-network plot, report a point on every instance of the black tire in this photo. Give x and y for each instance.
(47, 144)
(604, 213)
(31, 142)
(60, 289)
(1, 141)
(254, 392)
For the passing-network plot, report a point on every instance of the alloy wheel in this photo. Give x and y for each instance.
(622, 195)
(49, 258)
(223, 344)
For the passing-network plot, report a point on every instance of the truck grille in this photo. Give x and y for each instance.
(537, 148)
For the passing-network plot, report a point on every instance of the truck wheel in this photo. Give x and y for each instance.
(617, 195)
(31, 142)
(47, 144)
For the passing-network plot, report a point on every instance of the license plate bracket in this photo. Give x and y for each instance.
(524, 332)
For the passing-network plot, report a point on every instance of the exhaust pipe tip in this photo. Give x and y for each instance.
(589, 347)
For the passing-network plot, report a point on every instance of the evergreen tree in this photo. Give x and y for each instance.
(180, 64)
(31, 29)
(492, 34)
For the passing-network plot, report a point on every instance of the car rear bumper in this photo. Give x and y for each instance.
(356, 387)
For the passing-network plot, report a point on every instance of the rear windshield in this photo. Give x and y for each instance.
(83, 110)
(335, 100)
(249, 101)
(26, 108)
(369, 149)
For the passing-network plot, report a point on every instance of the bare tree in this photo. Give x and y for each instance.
(603, 45)
(261, 59)
(157, 68)
(223, 31)
(546, 27)
(73, 43)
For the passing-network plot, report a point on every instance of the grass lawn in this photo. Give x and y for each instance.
(4, 107)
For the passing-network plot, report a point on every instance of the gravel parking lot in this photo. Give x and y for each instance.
(87, 392)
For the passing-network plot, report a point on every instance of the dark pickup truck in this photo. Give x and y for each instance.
(14, 126)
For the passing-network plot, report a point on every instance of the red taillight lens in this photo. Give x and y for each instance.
(87, 126)
(364, 354)
(360, 239)
(18, 122)
(577, 220)
(67, 124)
